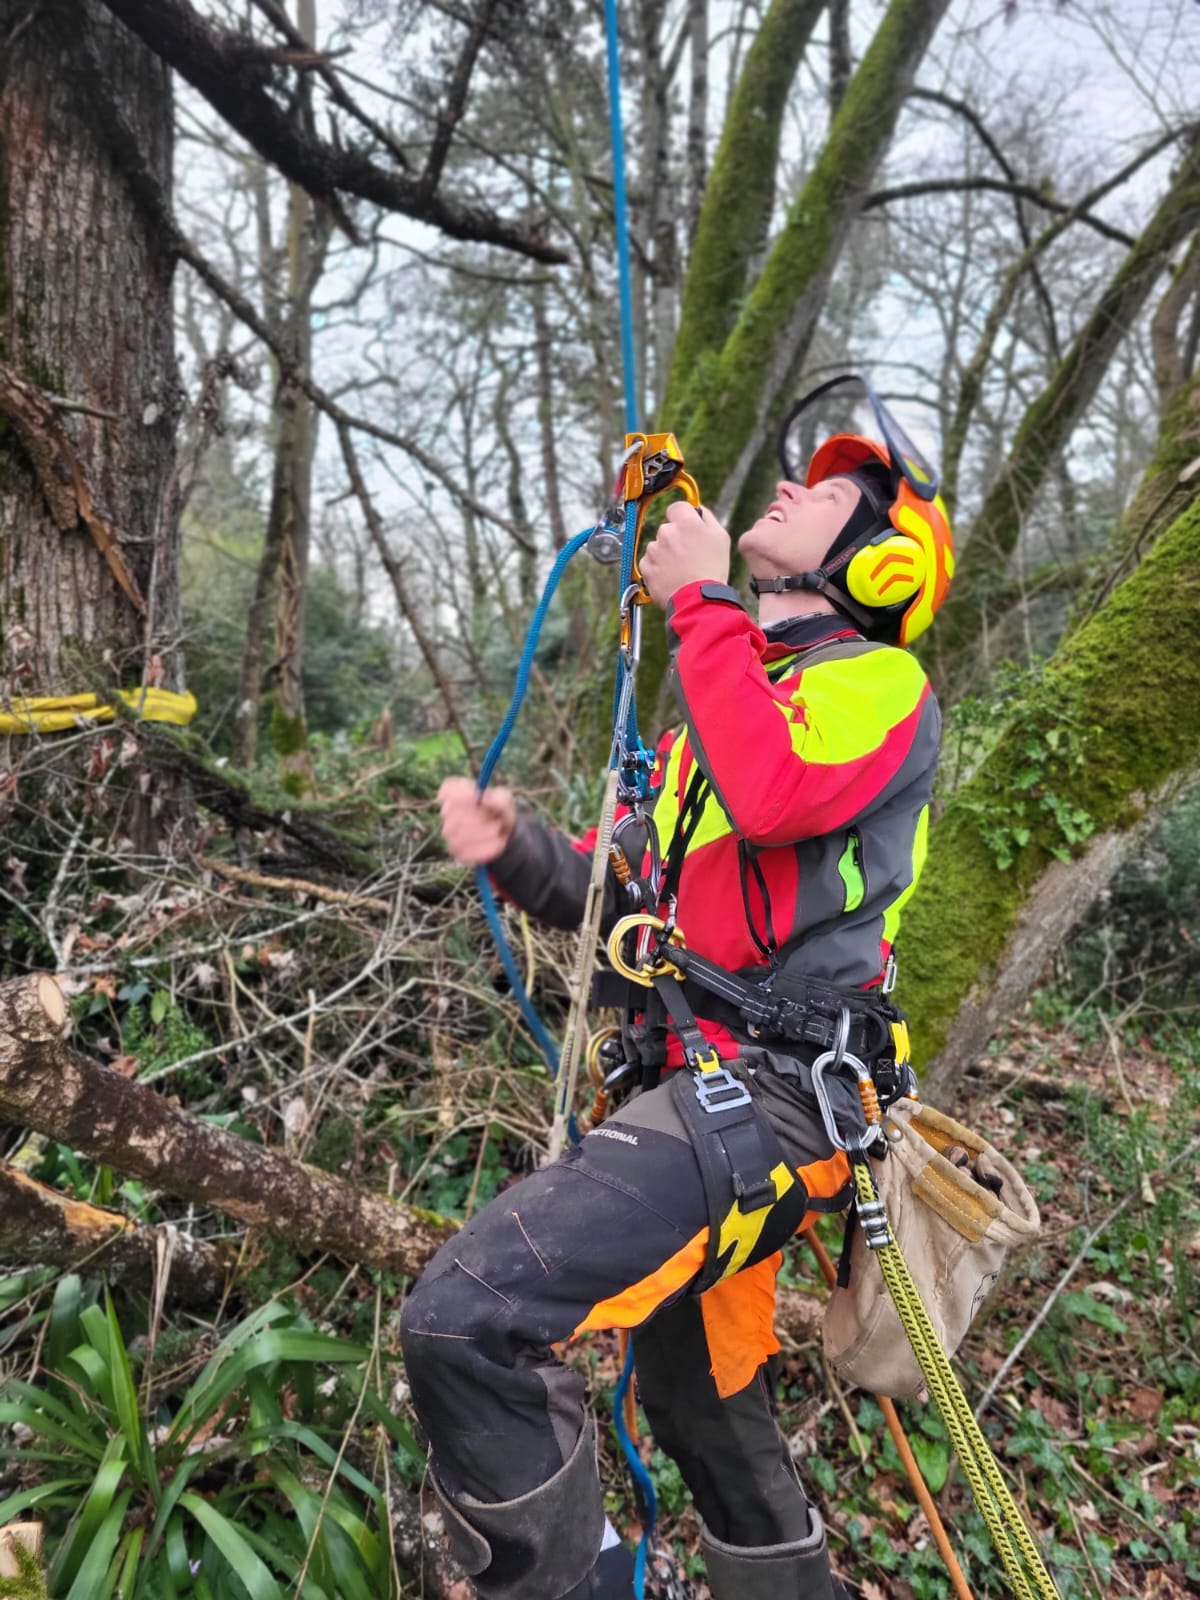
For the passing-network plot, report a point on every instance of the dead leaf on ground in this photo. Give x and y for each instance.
(1145, 1404)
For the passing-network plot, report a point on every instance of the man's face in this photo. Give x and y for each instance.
(796, 530)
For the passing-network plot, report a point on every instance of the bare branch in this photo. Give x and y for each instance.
(131, 1128)
(234, 78)
(456, 98)
(909, 191)
(403, 599)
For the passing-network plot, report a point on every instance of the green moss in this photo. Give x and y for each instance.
(1115, 717)
(29, 1584)
(739, 196)
(721, 395)
(289, 740)
(787, 296)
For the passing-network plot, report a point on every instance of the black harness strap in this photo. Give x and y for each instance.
(736, 1150)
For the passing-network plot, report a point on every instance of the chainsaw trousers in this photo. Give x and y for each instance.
(612, 1235)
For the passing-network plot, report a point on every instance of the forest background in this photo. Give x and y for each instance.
(309, 366)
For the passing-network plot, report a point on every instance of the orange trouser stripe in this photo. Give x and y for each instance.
(630, 1307)
(633, 1305)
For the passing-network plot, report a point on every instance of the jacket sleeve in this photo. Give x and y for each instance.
(547, 875)
(794, 759)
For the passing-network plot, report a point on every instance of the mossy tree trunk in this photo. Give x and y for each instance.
(1111, 726)
(88, 528)
(740, 193)
(1050, 420)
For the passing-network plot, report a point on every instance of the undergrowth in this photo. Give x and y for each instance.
(167, 1446)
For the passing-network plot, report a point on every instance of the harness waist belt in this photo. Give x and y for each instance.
(793, 1009)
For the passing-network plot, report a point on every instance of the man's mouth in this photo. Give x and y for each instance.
(775, 513)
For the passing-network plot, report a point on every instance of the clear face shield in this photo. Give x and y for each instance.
(848, 404)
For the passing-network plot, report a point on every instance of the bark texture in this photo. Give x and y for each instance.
(40, 1227)
(732, 401)
(127, 1126)
(88, 574)
(1113, 723)
(731, 229)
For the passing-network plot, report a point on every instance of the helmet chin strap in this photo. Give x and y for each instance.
(815, 583)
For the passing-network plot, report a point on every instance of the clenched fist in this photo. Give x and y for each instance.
(476, 827)
(691, 547)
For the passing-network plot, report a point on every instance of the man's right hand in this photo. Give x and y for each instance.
(476, 827)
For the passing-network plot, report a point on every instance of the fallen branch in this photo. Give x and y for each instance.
(315, 891)
(19, 1536)
(40, 1227)
(125, 1125)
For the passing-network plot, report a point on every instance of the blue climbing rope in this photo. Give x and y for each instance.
(494, 751)
(627, 738)
(624, 276)
(627, 744)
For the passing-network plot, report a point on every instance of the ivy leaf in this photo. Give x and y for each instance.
(1078, 1303)
(933, 1458)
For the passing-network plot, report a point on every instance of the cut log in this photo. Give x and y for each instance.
(40, 1227)
(26, 1536)
(129, 1127)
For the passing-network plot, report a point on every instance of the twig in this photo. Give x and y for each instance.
(989, 1393)
(318, 891)
(843, 1405)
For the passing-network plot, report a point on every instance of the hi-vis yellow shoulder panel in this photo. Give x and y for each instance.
(56, 713)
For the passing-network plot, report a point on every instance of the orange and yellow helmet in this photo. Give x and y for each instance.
(890, 567)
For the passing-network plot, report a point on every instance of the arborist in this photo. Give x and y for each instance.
(791, 813)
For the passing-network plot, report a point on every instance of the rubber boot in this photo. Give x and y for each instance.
(545, 1545)
(611, 1577)
(797, 1571)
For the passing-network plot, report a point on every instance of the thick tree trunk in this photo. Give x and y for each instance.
(1113, 724)
(296, 444)
(85, 316)
(127, 1126)
(1050, 420)
(727, 387)
(734, 402)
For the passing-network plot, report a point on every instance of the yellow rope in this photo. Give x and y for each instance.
(55, 713)
(1009, 1532)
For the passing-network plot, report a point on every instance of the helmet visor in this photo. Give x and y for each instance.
(849, 404)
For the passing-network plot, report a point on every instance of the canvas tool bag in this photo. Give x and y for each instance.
(953, 1231)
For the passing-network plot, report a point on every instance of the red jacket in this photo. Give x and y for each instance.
(819, 750)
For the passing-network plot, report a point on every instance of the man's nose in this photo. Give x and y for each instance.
(789, 490)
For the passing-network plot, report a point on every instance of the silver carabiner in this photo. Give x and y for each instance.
(831, 1061)
(631, 653)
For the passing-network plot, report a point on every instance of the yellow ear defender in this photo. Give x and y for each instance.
(885, 572)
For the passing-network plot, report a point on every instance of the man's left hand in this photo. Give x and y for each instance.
(691, 547)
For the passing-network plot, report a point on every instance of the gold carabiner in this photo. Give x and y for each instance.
(644, 975)
(597, 1071)
(653, 466)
